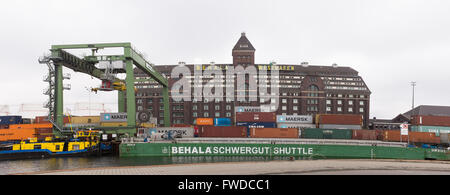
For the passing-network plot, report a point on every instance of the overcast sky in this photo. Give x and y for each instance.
(389, 42)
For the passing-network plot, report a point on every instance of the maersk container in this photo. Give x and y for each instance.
(222, 122)
(305, 119)
(9, 120)
(185, 132)
(326, 133)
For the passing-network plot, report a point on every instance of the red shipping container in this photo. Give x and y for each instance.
(274, 133)
(414, 137)
(443, 121)
(42, 133)
(269, 117)
(340, 119)
(364, 135)
(211, 131)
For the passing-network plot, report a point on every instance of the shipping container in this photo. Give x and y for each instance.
(431, 120)
(335, 126)
(205, 121)
(8, 120)
(269, 117)
(180, 125)
(185, 132)
(222, 122)
(339, 119)
(295, 125)
(81, 126)
(364, 135)
(250, 125)
(31, 126)
(226, 132)
(274, 133)
(114, 124)
(413, 137)
(85, 119)
(44, 120)
(16, 134)
(26, 121)
(314, 133)
(430, 129)
(42, 133)
(445, 139)
(253, 109)
(305, 119)
(4, 126)
(113, 117)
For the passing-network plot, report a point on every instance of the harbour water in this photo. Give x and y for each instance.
(53, 164)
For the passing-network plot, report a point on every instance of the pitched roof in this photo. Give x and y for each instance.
(244, 44)
(429, 111)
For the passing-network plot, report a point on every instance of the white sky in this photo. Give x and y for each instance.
(390, 43)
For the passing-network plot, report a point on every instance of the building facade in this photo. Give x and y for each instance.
(303, 89)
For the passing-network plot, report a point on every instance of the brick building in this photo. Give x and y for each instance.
(303, 90)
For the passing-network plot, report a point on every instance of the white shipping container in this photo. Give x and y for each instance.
(186, 132)
(305, 119)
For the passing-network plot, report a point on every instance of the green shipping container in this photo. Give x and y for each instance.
(327, 133)
(431, 129)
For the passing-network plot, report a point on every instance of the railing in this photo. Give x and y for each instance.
(273, 141)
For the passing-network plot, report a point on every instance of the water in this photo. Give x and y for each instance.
(53, 164)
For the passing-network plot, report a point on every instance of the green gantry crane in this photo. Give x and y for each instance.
(59, 58)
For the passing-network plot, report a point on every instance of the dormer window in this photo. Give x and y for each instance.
(244, 46)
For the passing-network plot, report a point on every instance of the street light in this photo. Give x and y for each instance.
(413, 84)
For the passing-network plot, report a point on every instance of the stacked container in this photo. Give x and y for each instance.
(295, 121)
(413, 137)
(256, 120)
(9, 120)
(431, 124)
(339, 121)
(326, 133)
(225, 132)
(274, 133)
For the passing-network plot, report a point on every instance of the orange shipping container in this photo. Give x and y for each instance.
(44, 120)
(443, 121)
(16, 134)
(32, 126)
(274, 133)
(205, 121)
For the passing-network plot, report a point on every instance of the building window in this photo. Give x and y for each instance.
(361, 110)
(206, 114)
(328, 102)
(350, 102)
(328, 109)
(295, 101)
(350, 109)
(195, 115)
(361, 103)
(205, 107)
(295, 108)
(339, 109)
(284, 108)
(228, 114)
(339, 102)
(217, 107)
(284, 101)
(194, 107)
(217, 114)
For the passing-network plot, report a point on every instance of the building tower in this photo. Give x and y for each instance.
(243, 52)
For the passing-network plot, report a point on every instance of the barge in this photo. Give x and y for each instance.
(297, 148)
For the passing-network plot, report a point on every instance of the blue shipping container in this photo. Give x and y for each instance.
(222, 122)
(10, 120)
(259, 125)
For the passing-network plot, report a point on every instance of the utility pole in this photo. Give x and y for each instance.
(414, 84)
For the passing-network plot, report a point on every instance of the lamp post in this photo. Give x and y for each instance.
(413, 84)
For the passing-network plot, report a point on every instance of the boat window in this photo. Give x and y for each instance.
(75, 147)
(37, 146)
(57, 147)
